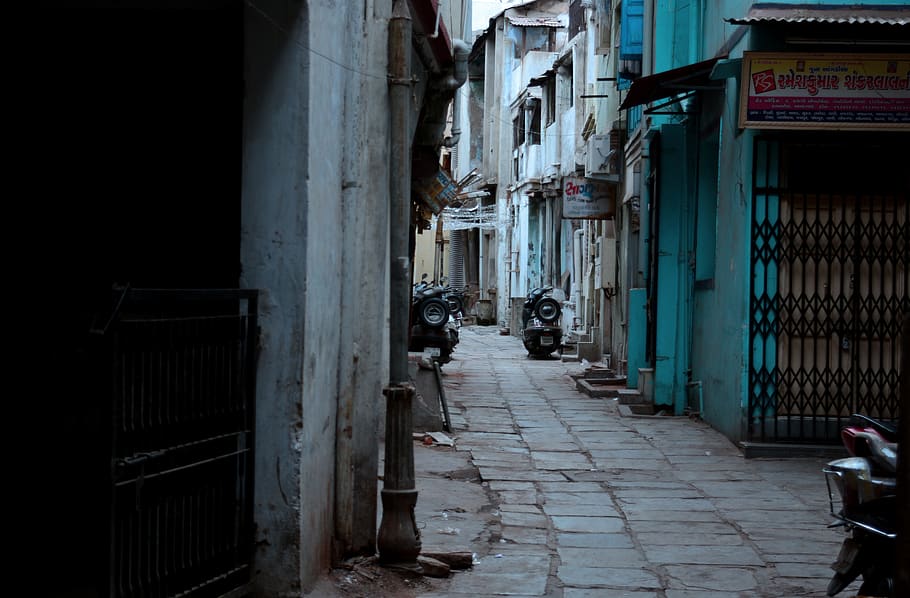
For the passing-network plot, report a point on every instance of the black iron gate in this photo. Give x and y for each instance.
(829, 283)
(182, 399)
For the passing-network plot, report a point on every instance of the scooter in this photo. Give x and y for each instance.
(541, 332)
(433, 329)
(455, 298)
(862, 496)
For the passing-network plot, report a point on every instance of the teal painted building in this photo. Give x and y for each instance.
(775, 213)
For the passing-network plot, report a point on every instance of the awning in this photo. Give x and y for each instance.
(824, 13)
(669, 83)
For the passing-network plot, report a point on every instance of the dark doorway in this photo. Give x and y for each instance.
(130, 118)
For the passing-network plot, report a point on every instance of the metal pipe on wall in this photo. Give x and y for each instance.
(400, 188)
(399, 539)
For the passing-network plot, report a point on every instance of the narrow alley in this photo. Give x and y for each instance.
(559, 495)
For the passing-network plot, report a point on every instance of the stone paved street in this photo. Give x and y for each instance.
(559, 495)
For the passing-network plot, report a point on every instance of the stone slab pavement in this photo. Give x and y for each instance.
(560, 495)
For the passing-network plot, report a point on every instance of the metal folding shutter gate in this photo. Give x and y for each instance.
(829, 284)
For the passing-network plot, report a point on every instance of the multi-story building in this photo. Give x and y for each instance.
(774, 212)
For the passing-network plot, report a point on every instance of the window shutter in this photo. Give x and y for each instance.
(631, 29)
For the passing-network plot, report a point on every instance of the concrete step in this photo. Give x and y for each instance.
(632, 396)
(598, 372)
(600, 387)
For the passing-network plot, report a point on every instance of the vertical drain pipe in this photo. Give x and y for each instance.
(578, 271)
(399, 539)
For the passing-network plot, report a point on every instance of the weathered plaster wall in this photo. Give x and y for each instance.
(310, 241)
(273, 256)
(363, 339)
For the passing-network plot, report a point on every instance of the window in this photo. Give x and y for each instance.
(566, 87)
(550, 96)
(518, 131)
(534, 125)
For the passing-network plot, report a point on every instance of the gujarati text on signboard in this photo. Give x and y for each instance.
(825, 91)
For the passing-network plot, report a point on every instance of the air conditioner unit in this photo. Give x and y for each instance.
(602, 156)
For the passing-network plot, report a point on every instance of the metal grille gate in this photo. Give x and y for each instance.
(182, 390)
(829, 284)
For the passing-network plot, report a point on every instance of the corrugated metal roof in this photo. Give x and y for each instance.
(539, 21)
(824, 13)
(669, 83)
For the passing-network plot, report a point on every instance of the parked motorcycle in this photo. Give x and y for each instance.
(433, 329)
(541, 332)
(455, 298)
(862, 493)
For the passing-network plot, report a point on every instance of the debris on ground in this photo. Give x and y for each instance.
(433, 438)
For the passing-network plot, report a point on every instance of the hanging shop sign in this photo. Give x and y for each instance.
(436, 192)
(586, 199)
(825, 91)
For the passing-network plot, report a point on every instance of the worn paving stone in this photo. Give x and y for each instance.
(670, 492)
(516, 456)
(572, 456)
(610, 577)
(521, 508)
(539, 445)
(597, 525)
(519, 519)
(628, 558)
(500, 584)
(627, 454)
(705, 526)
(640, 464)
(699, 475)
(599, 593)
(804, 570)
(671, 593)
(797, 548)
(734, 490)
(598, 541)
(566, 487)
(509, 497)
(779, 502)
(640, 503)
(729, 580)
(493, 473)
(602, 499)
(647, 486)
(752, 519)
(553, 509)
(703, 555)
(662, 517)
(692, 538)
(501, 485)
(524, 535)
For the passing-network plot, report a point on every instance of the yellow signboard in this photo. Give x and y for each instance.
(825, 91)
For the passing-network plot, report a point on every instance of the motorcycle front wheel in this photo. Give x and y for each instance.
(455, 304)
(433, 312)
(547, 310)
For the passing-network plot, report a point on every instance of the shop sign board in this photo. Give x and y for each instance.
(825, 91)
(437, 192)
(586, 199)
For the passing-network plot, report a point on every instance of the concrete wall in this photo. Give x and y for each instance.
(321, 362)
